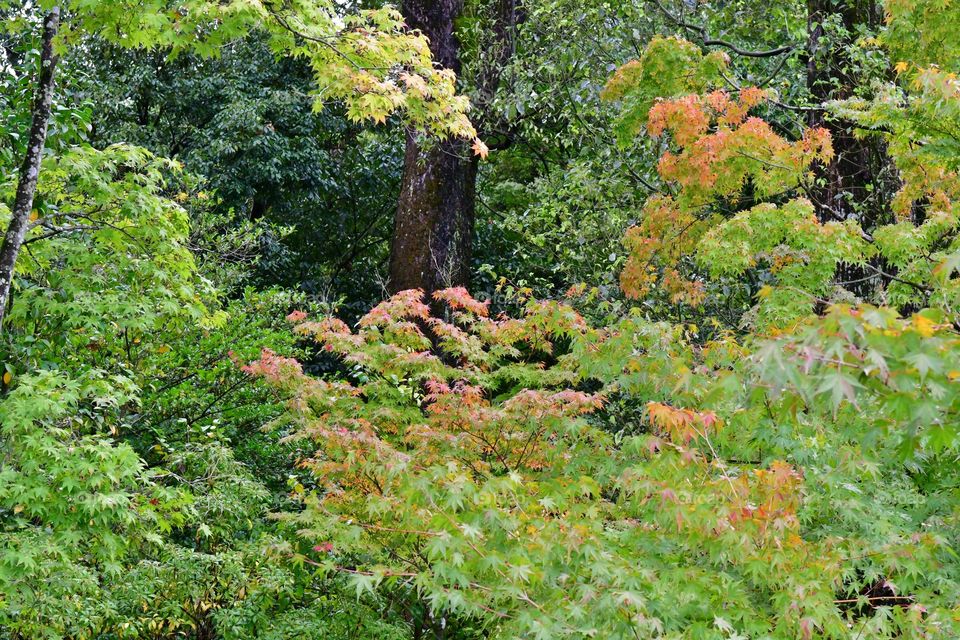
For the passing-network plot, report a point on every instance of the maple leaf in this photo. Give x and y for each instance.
(479, 148)
(296, 316)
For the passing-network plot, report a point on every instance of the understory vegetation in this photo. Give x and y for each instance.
(480, 319)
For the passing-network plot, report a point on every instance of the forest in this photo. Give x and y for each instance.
(480, 320)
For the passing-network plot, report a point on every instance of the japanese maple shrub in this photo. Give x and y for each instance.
(462, 461)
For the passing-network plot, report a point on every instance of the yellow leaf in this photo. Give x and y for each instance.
(34, 215)
(900, 67)
(7, 377)
(924, 326)
(18, 508)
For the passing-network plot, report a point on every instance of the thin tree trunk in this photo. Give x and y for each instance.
(30, 169)
(849, 181)
(859, 182)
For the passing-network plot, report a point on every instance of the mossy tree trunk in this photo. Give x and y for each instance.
(433, 229)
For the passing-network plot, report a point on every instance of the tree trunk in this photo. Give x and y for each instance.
(850, 181)
(858, 184)
(30, 169)
(433, 228)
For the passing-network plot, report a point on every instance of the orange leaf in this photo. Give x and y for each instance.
(479, 148)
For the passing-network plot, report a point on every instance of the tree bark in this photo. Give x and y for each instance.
(30, 169)
(859, 182)
(433, 228)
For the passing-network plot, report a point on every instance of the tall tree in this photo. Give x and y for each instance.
(434, 223)
(353, 58)
(433, 229)
(860, 181)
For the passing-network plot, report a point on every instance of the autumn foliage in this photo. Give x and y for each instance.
(717, 151)
(755, 436)
(463, 457)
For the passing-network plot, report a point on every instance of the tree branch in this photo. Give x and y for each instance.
(716, 42)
